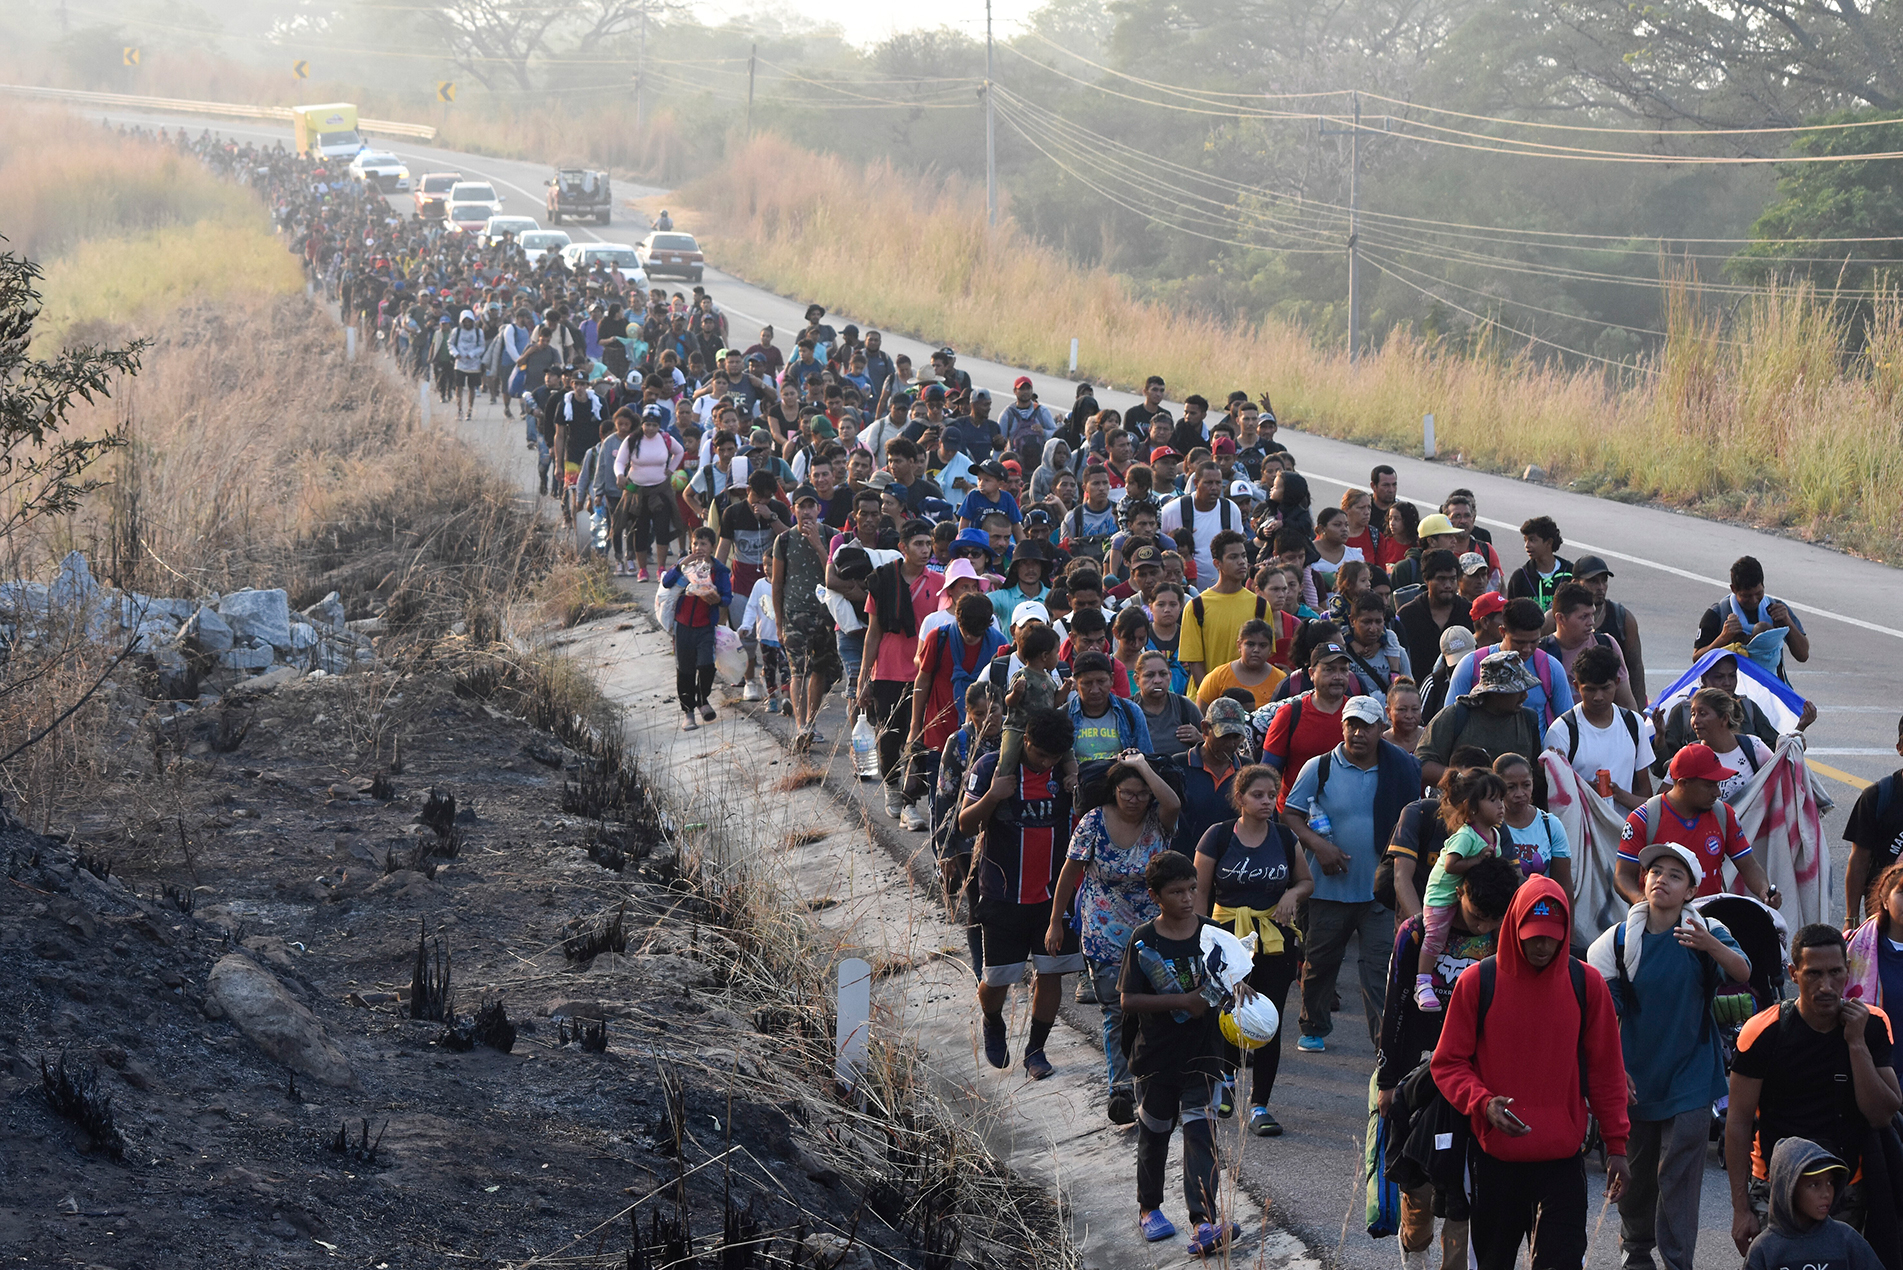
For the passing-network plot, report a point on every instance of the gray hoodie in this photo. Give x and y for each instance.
(1791, 1242)
(1056, 460)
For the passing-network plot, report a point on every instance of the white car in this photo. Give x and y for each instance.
(467, 192)
(539, 242)
(381, 169)
(497, 226)
(620, 257)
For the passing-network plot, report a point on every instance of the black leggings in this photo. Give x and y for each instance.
(653, 514)
(693, 665)
(1272, 977)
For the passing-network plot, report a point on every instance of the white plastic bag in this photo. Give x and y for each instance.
(730, 659)
(666, 600)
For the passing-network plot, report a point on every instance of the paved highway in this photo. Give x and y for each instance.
(1669, 568)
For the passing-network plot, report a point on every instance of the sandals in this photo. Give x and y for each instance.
(1211, 1238)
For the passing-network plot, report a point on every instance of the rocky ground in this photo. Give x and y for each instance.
(229, 944)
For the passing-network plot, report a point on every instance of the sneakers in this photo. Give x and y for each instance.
(641, 575)
(997, 1046)
(1425, 998)
(753, 691)
(1226, 1100)
(1123, 1107)
(1262, 1124)
(1312, 1044)
(687, 723)
(1086, 990)
(914, 819)
(894, 801)
(706, 713)
(1036, 1066)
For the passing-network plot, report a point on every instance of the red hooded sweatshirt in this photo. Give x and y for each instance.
(1529, 1051)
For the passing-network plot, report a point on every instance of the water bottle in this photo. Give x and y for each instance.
(1318, 819)
(1161, 977)
(865, 749)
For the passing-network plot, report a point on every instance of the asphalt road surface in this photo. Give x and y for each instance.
(1669, 568)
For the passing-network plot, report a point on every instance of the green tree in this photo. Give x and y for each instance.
(1816, 202)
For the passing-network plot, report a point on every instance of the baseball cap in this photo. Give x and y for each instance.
(1547, 916)
(935, 393)
(1012, 465)
(991, 468)
(1365, 709)
(1472, 562)
(805, 493)
(656, 412)
(1326, 652)
(1029, 610)
(1456, 642)
(1434, 525)
(1487, 605)
(1698, 762)
(1590, 567)
(1145, 554)
(1162, 452)
(981, 392)
(1662, 850)
(1022, 381)
(1226, 717)
(1222, 445)
(1037, 516)
(1244, 489)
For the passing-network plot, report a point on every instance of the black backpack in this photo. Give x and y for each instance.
(1186, 512)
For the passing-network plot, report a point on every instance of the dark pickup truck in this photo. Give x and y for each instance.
(579, 193)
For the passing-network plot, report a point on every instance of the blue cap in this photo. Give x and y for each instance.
(973, 538)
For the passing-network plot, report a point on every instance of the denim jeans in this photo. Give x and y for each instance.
(1103, 977)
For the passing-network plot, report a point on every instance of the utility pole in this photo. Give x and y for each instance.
(1354, 229)
(752, 56)
(641, 69)
(991, 130)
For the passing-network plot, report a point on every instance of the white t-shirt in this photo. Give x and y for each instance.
(1609, 747)
(1731, 786)
(1205, 525)
(945, 617)
(838, 605)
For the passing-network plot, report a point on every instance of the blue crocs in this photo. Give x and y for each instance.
(1157, 1227)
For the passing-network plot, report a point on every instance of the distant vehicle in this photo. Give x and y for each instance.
(538, 243)
(381, 169)
(579, 192)
(476, 192)
(431, 189)
(583, 257)
(497, 226)
(467, 218)
(329, 131)
(674, 255)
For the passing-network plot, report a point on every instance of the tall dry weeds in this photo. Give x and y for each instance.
(1763, 416)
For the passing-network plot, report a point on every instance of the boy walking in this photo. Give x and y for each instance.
(1663, 964)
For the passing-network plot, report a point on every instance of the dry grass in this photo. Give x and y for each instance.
(1762, 418)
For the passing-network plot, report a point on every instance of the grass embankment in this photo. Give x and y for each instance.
(1759, 417)
(126, 231)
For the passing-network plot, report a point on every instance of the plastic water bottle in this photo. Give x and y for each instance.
(865, 749)
(1318, 819)
(1161, 977)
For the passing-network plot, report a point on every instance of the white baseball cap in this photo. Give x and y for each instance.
(1028, 609)
(1365, 709)
(1663, 850)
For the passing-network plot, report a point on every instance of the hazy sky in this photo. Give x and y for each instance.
(866, 23)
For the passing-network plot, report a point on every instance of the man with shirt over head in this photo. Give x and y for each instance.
(1024, 831)
(1817, 1068)
(1343, 807)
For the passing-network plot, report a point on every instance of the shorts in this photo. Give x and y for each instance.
(811, 648)
(467, 379)
(1013, 932)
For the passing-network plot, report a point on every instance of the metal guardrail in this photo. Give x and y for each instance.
(387, 127)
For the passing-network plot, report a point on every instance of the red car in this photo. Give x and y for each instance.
(431, 188)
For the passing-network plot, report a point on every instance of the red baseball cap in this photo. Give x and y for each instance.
(1163, 452)
(1547, 916)
(1697, 762)
(1222, 445)
(1022, 381)
(1488, 604)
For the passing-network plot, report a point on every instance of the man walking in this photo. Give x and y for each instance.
(1343, 807)
(1530, 1047)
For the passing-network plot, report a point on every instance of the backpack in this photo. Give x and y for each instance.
(1186, 512)
(1631, 726)
(1094, 791)
(1542, 668)
(1709, 975)
(962, 675)
(1196, 607)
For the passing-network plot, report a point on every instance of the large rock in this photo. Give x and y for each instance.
(206, 632)
(328, 612)
(247, 658)
(263, 616)
(73, 586)
(276, 1022)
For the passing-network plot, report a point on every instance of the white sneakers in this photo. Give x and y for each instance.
(753, 691)
(914, 819)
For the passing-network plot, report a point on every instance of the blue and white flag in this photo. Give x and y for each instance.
(1780, 704)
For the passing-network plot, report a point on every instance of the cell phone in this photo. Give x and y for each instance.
(1506, 1111)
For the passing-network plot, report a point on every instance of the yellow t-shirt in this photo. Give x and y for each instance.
(1223, 678)
(1214, 640)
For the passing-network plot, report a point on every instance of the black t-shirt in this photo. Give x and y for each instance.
(1164, 1043)
(751, 534)
(1248, 877)
(1137, 418)
(1879, 834)
(1419, 835)
(1808, 1091)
